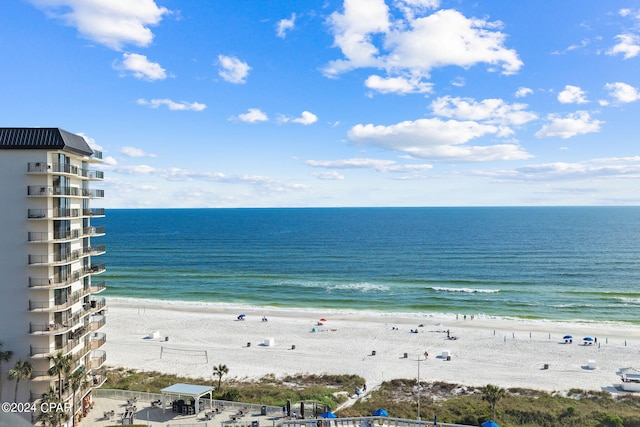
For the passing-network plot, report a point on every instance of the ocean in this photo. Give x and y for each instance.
(554, 263)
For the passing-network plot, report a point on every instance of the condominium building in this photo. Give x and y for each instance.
(49, 302)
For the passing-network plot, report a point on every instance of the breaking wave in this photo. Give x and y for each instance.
(466, 290)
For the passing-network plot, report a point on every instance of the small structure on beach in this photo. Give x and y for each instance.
(193, 391)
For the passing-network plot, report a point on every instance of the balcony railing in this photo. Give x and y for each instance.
(57, 213)
(52, 237)
(64, 168)
(97, 358)
(63, 258)
(97, 340)
(93, 212)
(44, 352)
(98, 287)
(93, 231)
(37, 190)
(58, 281)
(59, 305)
(97, 324)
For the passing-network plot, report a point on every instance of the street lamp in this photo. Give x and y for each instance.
(419, 360)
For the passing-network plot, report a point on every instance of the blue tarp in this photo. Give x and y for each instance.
(490, 423)
(328, 414)
(380, 413)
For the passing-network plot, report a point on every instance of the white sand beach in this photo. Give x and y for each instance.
(508, 353)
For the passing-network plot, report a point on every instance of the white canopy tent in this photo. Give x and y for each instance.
(186, 390)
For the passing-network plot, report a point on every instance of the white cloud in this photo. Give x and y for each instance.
(113, 23)
(623, 92)
(135, 152)
(415, 45)
(364, 163)
(285, 25)
(328, 175)
(578, 123)
(437, 139)
(399, 85)
(494, 111)
(523, 91)
(306, 118)
(628, 45)
(233, 70)
(141, 67)
(254, 115)
(572, 95)
(172, 105)
(606, 167)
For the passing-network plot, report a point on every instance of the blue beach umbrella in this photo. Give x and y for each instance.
(489, 423)
(380, 413)
(328, 414)
(588, 339)
(567, 337)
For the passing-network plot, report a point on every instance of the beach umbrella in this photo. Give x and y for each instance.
(567, 337)
(328, 414)
(489, 423)
(380, 413)
(588, 339)
(323, 319)
(242, 315)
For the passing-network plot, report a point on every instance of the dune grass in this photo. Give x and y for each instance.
(451, 403)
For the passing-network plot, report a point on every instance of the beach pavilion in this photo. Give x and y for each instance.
(186, 390)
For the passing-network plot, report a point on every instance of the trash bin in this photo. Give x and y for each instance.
(255, 424)
(373, 353)
(263, 410)
(166, 338)
(406, 355)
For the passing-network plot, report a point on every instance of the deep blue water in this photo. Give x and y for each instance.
(560, 263)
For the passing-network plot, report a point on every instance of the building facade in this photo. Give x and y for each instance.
(51, 313)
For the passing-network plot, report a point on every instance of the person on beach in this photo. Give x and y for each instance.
(426, 355)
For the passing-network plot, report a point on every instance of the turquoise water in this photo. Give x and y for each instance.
(577, 263)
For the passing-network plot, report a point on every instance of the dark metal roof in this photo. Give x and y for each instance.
(43, 139)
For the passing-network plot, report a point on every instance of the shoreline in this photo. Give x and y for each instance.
(488, 350)
(185, 305)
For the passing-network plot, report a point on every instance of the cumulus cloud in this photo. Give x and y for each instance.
(628, 46)
(364, 163)
(328, 175)
(437, 139)
(141, 67)
(398, 85)
(253, 115)
(233, 70)
(523, 91)
(605, 167)
(572, 95)
(285, 25)
(172, 105)
(369, 36)
(135, 152)
(492, 110)
(306, 118)
(112, 23)
(623, 92)
(578, 123)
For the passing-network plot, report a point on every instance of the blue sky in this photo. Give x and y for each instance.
(336, 103)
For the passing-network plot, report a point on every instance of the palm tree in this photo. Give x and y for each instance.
(21, 371)
(52, 418)
(492, 394)
(219, 371)
(5, 356)
(77, 380)
(61, 367)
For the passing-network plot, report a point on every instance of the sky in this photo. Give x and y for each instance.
(327, 103)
